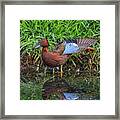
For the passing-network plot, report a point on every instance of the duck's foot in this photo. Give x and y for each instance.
(60, 74)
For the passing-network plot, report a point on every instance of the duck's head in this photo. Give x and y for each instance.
(42, 43)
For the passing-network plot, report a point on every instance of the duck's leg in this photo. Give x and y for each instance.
(61, 71)
(53, 72)
(45, 70)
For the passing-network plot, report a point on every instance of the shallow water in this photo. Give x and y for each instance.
(43, 85)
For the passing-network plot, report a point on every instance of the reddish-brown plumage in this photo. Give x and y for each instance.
(63, 51)
(52, 59)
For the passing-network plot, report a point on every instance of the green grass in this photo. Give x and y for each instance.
(56, 31)
(30, 91)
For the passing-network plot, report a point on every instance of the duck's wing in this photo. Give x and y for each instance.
(84, 43)
(77, 45)
(71, 48)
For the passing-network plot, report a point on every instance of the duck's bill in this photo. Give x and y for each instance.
(37, 46)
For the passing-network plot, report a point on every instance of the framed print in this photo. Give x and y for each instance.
(60, 59)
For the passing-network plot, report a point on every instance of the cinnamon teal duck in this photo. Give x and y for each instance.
(59, 56)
